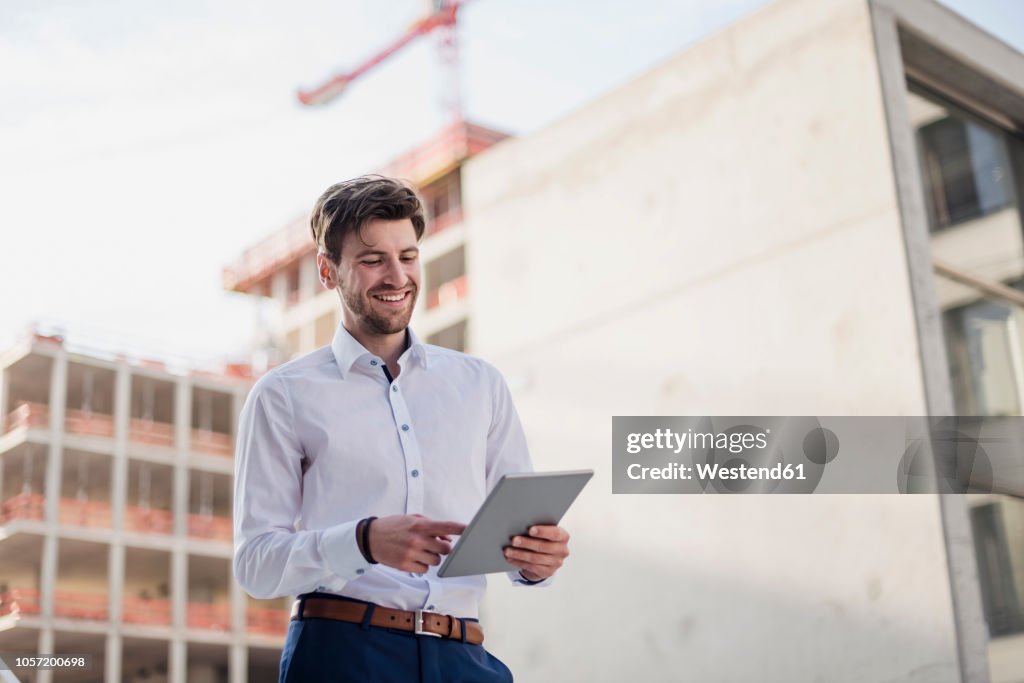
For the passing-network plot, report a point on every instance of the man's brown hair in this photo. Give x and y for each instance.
(346, 206)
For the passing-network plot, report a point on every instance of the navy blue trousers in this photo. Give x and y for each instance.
(325, 650)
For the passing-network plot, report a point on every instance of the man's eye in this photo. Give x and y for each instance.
(408, 259)
(371, 263)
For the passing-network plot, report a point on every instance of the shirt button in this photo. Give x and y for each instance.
(360, 571)
(430, 607)
(405, 428)
(415, 473)
(373, 362)
(394, 387)
(414, 575)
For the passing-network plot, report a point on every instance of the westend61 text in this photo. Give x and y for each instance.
(712, 471)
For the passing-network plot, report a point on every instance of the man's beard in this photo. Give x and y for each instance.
(372, 321)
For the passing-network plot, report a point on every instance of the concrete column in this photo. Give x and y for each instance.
(112, 670)
(182, 443)
(239, 604)
(177, 661)
(238, 663)
(118, 494)
(965, 586)
(4, 395)
(307, 336)
(309, 281)
(45, 647)
(119, 471)
(54, 465)
(4, 389)
(279, 288)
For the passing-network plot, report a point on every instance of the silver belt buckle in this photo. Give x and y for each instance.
(419, 626)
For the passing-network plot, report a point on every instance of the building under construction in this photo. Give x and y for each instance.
(115, 519)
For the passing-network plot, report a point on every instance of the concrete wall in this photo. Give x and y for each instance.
(718, 237)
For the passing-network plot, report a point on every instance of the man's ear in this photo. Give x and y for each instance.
(326, 271)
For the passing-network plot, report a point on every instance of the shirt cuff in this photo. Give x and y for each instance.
(519, 580)
(340, 551)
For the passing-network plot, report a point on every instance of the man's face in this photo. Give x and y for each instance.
(378, 276)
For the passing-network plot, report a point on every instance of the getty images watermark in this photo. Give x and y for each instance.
(817, 454)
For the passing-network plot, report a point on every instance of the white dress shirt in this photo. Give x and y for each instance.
(325, 440)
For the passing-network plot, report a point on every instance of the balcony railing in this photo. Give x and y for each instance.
(80, 605)
(143, 611)
(267, 620)
(215, 443)
(85, 513)
(210, 616)
(214, 528)
(30, 415)
(140, 431)
(449, 292)
(70, 604)
(150, 432)
(23, 506)
(148, 520)
(19, 601)
(88, 423)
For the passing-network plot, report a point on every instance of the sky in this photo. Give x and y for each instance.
(144, 145)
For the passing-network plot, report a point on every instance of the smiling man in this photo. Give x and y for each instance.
(358, 462)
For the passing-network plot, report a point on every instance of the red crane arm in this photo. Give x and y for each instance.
(326, 92)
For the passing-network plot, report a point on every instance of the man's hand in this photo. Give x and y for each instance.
(411, 543)
(540, 554)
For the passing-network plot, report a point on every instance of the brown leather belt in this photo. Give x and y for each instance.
(419, 622)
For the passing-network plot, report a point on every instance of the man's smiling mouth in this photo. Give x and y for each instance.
(391, 298)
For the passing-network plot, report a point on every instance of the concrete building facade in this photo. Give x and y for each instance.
(751, 229)
(115, 521)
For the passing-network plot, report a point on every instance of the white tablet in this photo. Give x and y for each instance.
(517, 502)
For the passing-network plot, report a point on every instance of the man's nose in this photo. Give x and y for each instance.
(394, 275)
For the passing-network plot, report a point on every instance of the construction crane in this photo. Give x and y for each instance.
(441, 16)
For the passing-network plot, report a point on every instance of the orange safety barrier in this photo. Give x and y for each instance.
(20, 601)
(27, 414)
(143, 611)
(216, 443)
(267, 620)
(148, 520)
(88, 423)
(85, 512)
(217, 528)
(149, 432)
(449, 292)
(214, 617)
(23, 506)
(78, 605)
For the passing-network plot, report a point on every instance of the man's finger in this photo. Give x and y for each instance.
(442, 528)
(539, 546)
(539, 559)
(437, 546)
(549, 532)
(428, 558)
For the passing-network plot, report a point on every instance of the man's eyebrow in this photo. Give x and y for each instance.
(378, 252)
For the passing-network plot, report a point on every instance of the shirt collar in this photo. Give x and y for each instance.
(348, 352)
